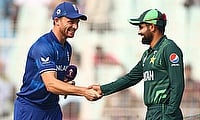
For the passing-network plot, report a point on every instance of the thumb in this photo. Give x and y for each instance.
(90, 87)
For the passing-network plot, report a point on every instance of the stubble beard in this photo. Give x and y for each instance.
(147, 39)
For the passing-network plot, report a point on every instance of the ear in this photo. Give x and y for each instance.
(56, 21)
(152, 27)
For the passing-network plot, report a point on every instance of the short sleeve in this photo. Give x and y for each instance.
(44, 56)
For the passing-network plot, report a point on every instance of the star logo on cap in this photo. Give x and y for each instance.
(58, 11)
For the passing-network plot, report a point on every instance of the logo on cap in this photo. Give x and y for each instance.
(174, 58)
(69, 10)
(58, 11)
(75, 8)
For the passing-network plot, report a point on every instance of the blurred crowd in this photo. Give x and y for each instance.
(18, 31)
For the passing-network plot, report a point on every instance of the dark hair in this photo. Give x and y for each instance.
(161, 29)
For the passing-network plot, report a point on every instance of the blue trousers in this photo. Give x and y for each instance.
(24, 110)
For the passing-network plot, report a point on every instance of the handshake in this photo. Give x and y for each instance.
(91, 93)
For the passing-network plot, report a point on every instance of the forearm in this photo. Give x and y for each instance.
(115, 86)
(124, 82)
(61, 88)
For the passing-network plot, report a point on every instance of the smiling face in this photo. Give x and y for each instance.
(147, 35)
(68, 27)
(65, 28)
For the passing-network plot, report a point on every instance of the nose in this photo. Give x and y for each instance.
(139, 32)
(75, 26)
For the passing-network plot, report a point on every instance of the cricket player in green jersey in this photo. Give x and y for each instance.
(160, 67)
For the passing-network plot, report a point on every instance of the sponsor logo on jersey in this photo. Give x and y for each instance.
(148, 75)
(61, 67)
(174, 58)
(45, 60)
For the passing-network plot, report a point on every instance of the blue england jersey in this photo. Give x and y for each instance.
(46, 54)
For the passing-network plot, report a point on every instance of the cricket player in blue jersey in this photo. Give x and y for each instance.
(160, 67)
(47, 61)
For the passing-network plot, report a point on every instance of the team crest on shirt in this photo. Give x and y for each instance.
(152, 60)
(45, 60)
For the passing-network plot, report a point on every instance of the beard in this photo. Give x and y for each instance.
(148, 37)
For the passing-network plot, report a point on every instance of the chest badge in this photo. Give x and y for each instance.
(152, 59)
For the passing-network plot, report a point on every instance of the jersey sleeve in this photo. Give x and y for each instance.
(44, 56)
(175, 68)
(126, 81)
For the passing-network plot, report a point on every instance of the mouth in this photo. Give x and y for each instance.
(142, 36)
(71, 31)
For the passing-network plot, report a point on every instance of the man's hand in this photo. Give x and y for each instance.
(92, 95)
(97, 89)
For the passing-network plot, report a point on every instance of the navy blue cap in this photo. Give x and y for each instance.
(69, 10)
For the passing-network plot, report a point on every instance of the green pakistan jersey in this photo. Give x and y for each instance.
(161, 68)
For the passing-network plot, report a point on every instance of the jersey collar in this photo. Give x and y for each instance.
(159, 42)
(54, 38)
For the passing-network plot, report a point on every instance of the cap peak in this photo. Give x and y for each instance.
(152, 16)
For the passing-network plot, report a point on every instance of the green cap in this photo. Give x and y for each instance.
(152, 16)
